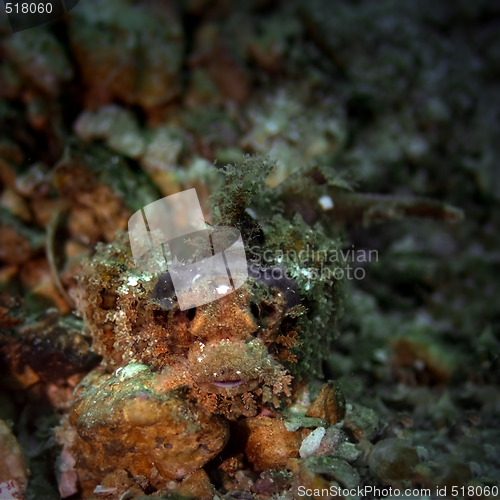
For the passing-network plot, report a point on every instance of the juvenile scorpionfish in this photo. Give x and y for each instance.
(230, 354)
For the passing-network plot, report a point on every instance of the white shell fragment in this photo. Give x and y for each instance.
(311, 443)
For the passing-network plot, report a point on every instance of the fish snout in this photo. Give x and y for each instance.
(228, 366)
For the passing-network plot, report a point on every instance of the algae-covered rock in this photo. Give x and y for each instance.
(392, 460)
(363, 422)
(41, 59)
(136, 50)
(123, 430)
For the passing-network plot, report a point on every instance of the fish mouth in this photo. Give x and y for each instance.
(227, 383)
(230, 386)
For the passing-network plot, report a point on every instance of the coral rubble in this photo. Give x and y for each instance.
(124, 430)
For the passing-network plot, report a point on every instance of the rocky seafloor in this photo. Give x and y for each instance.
(355, 145)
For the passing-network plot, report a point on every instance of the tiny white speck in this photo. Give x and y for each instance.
(132, 281)
(223, 289)
(326, 202)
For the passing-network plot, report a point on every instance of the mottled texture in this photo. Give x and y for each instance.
(13, 466)
(124, 430)
(268, 443)
(229, 353)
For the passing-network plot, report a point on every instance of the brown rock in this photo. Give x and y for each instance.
(122, 425)
(196, 485)
(330, 404)
(363, 422)
(393, 459)
(13, 468)
(415, 362)
(143, 73)
(50, 350)
(269, 445)
(14, 248)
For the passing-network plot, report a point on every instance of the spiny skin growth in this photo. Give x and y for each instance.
(228, 352)
(239, 352)
(169, 380)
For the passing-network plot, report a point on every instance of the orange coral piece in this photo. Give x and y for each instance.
(269, 445)
(125, 426)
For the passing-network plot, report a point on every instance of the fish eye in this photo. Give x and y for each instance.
(276, 277)
(191, 313)
(164, 292)
(255, 310)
